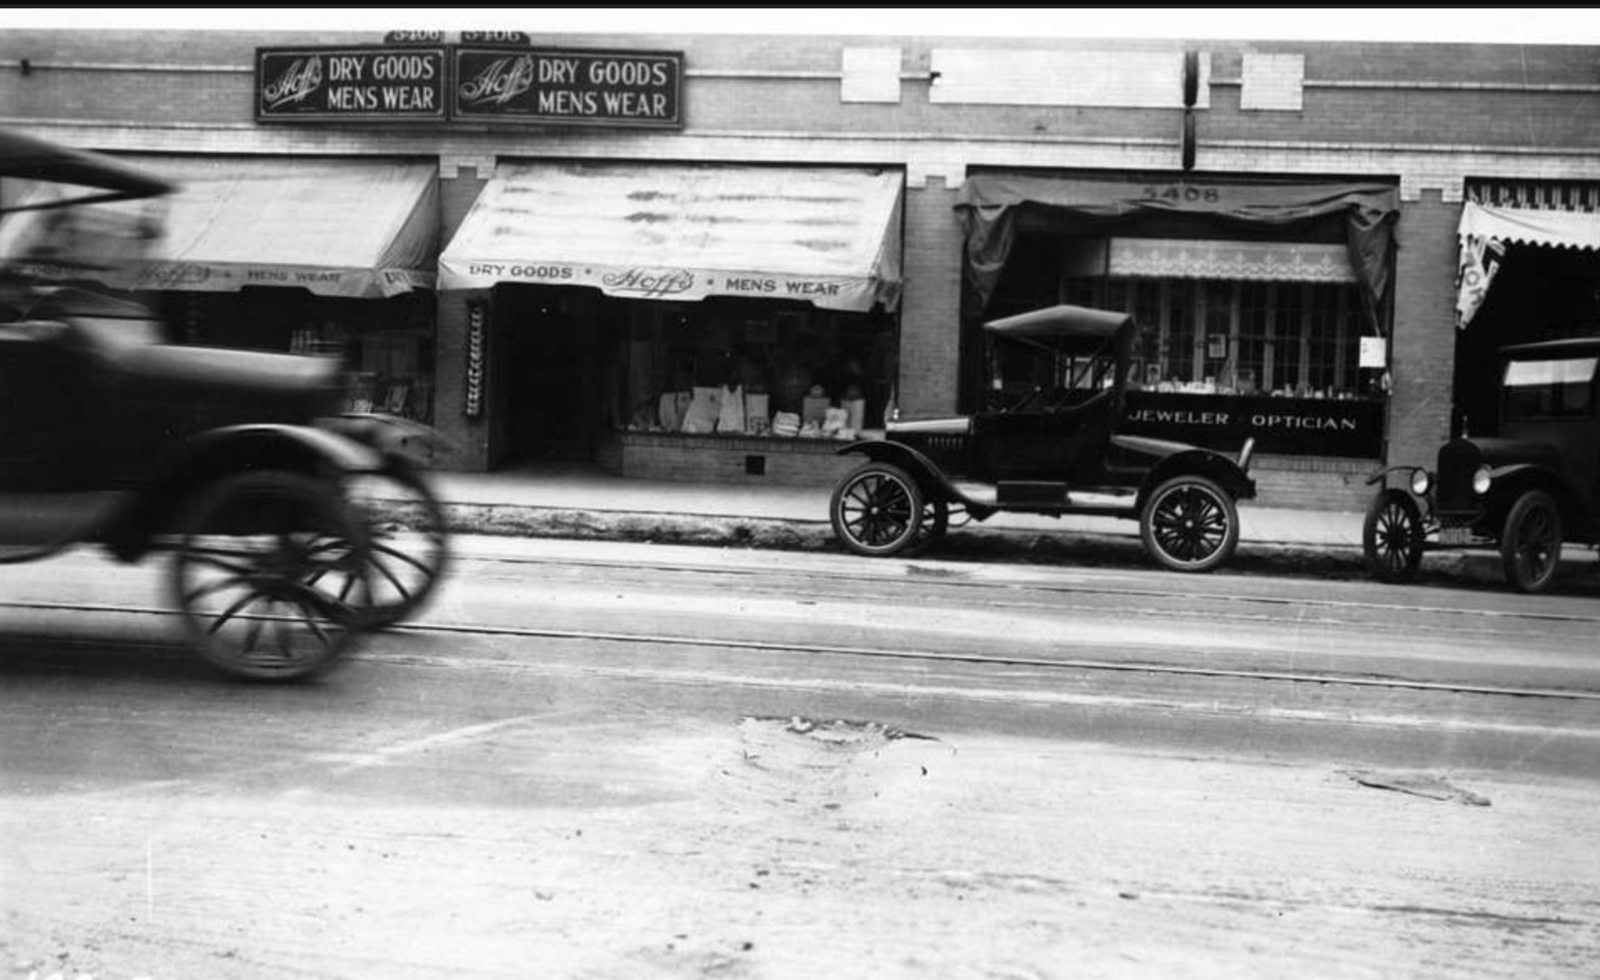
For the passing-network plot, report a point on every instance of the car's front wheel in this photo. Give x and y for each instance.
(877, 510)
(1530, 544)
(252, 575)
(1391, 537)
(1190, 524)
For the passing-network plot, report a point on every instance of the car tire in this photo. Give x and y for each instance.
(935, 522)
(408, 555)
(1190, 524)
(1391, 537)
(1530, 543)
(252, 573)
(877, 510)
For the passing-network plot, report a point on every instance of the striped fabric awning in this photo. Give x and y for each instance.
(830, 237)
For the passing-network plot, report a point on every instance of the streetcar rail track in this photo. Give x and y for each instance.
(879, 653)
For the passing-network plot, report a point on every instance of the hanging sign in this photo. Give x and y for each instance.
(367, 82)
(642, 89)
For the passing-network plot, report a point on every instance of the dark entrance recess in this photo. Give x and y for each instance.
(1538, 293)
(551, 374)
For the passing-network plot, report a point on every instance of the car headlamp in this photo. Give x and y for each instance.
(1481, 478)
(1421, 482)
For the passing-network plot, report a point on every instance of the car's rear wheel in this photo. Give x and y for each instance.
(251, 578)
(1530, 544)
(877, 510)
(1391, 537)
(1190, 524)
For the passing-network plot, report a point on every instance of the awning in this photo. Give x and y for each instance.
(1485, 230)
(989, 206)
(685, 232)
(336, 227)
(1528, 226)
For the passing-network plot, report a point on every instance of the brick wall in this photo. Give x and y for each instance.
(930, 324)
(720, 459)
(1422, 351)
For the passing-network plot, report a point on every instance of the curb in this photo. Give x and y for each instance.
(973, 543)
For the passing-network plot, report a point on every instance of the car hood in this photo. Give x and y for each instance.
(1499, 451)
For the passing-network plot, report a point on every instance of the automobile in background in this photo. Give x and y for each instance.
(1524, 490)
(1051, 446)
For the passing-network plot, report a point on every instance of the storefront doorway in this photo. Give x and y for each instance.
(551, 347)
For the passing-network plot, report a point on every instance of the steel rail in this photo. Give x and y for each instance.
(999, 660)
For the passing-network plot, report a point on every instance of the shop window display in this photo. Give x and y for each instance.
(386, 345)
(1283, 339)
(733, 368)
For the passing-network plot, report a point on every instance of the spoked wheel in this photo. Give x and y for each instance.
(1190, 524)
(1530, 545)
(249, 576)
(1391, 537)
(408, 543)
(877, 510)
(931, 529)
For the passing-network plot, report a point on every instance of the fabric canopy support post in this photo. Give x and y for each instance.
(826, 236)
(989, 206)
(1485, 231)
(363, 229)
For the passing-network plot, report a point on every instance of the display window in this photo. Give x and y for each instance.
(386, 345)
(733, 367)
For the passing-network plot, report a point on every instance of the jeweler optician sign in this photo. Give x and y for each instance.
(357, 83)
(571, 87)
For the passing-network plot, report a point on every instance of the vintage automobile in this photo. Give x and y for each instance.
(1526, 489)
(241, 464)
(1051, 446)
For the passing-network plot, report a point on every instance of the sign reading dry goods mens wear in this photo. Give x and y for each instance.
(358, 83)
(570, 87)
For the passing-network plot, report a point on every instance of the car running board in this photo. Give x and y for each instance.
(1047, 496)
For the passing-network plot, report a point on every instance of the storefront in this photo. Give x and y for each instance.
(1529, 270)
(1264, 307)
(318, 256)
(676, 320)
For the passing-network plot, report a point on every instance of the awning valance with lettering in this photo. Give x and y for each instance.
(1209, 258)
(991, 206)
(684, 232)
(336, 227)
(1485, 230)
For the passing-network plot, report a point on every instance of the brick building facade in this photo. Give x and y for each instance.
(575, 371)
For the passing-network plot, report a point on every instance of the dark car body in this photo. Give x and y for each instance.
(1525, 489)
(1051, 447)
(238, 462)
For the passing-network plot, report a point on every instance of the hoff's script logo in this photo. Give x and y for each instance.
(651, 282)
(503, 80)
(303, 77)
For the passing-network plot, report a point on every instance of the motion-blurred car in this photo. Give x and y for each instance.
(240, 463)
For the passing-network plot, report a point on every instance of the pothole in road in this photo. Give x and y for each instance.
(839, 732)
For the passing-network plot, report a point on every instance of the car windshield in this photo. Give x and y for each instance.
(1549, 387)
(1022, 367)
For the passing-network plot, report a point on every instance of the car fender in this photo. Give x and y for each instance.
(929, 476)
(1205, 462)
(1507, 483)
(156, 508)
(396, 437)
